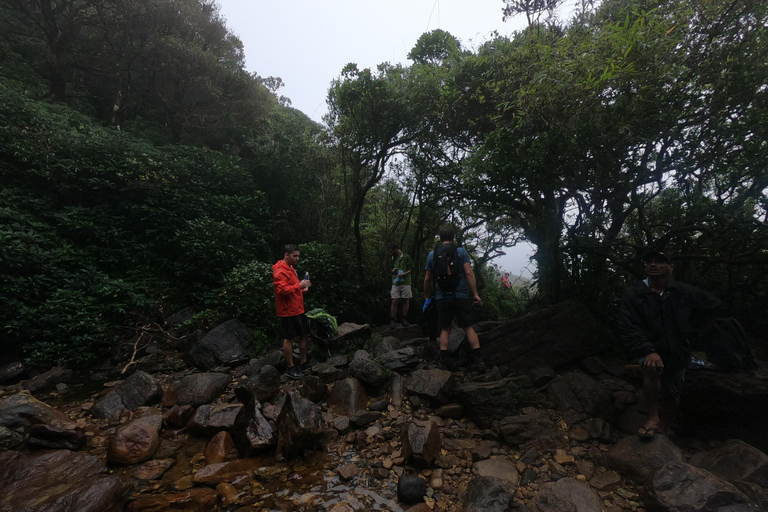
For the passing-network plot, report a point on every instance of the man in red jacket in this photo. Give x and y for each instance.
(289, 299)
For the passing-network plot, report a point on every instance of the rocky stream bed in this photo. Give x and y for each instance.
(549, 428)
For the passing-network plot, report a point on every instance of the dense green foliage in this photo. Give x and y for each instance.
(144, 169)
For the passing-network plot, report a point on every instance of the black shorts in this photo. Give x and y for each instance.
(294, 326)
(460, 309)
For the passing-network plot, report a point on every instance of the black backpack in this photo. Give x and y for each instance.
(446, 267)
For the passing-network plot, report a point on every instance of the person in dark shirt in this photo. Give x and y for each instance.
(655, 322)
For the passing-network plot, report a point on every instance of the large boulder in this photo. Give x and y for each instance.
(579, 397)
(639, 459)
(489, 494)
(23, 410)
(536, 425)
(734, 460)
(191, 500)
(567, 494)
(196, 389)
(400, 359)
(555, 337)
(347, 397)
(138, 390)
(366, 370)
(133, 443)
(485, 402)
(55, 438)
(498, 468)
(11, 372)
(299, 425)
(421, 442)
(437, 386)
(734, 404)
(59, 481)
(251, 432)
(226, 345)
(261, 385)
(47, 380)
(679, 486)
(210, 419)
(351, 331)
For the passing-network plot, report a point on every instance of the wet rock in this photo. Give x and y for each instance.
(210, 419)
(152, 470)
(59, 481)
(347, 397)
(366, 370)
(227, 472)
(11, 373)
(421, 442)
(351, 331)
(218, 448)
(679, 486)
(411, 489)
(489, 494)
(485, 402)
(639, 459)
(47, 380)
(261, 385)
(226, 345)
(313, 388)
(520, 429)
(133, 443)
(378, 405)
(299, 425)
(55, 438)
(437, 386)
(400, 359)
(136, 391)
(252, 432)
(497, 468)
(192, 500)
(196, 389)
(567, 494)
(579, 397)
(362, 418)
(557, 336)
(734, 460)
(178, 416)
(23, 410)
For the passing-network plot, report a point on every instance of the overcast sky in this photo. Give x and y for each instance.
(307, 43)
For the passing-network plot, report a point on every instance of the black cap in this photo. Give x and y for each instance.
(651, 255)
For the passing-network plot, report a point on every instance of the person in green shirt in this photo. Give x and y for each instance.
(402, 266)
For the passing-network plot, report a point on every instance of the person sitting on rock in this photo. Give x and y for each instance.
(655, 322)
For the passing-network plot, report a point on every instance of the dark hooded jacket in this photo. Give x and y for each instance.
(650, 322)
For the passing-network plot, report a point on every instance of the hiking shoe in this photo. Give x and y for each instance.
(305, 366)
(293, 372)
(393, 323)
(405, 323)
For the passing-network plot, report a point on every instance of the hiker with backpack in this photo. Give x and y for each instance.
(401, 293)
(655, 322)
(449, 268)
(289, 300)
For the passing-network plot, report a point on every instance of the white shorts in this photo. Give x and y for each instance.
(401, 291)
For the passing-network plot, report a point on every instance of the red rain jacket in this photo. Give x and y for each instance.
(289, 299)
